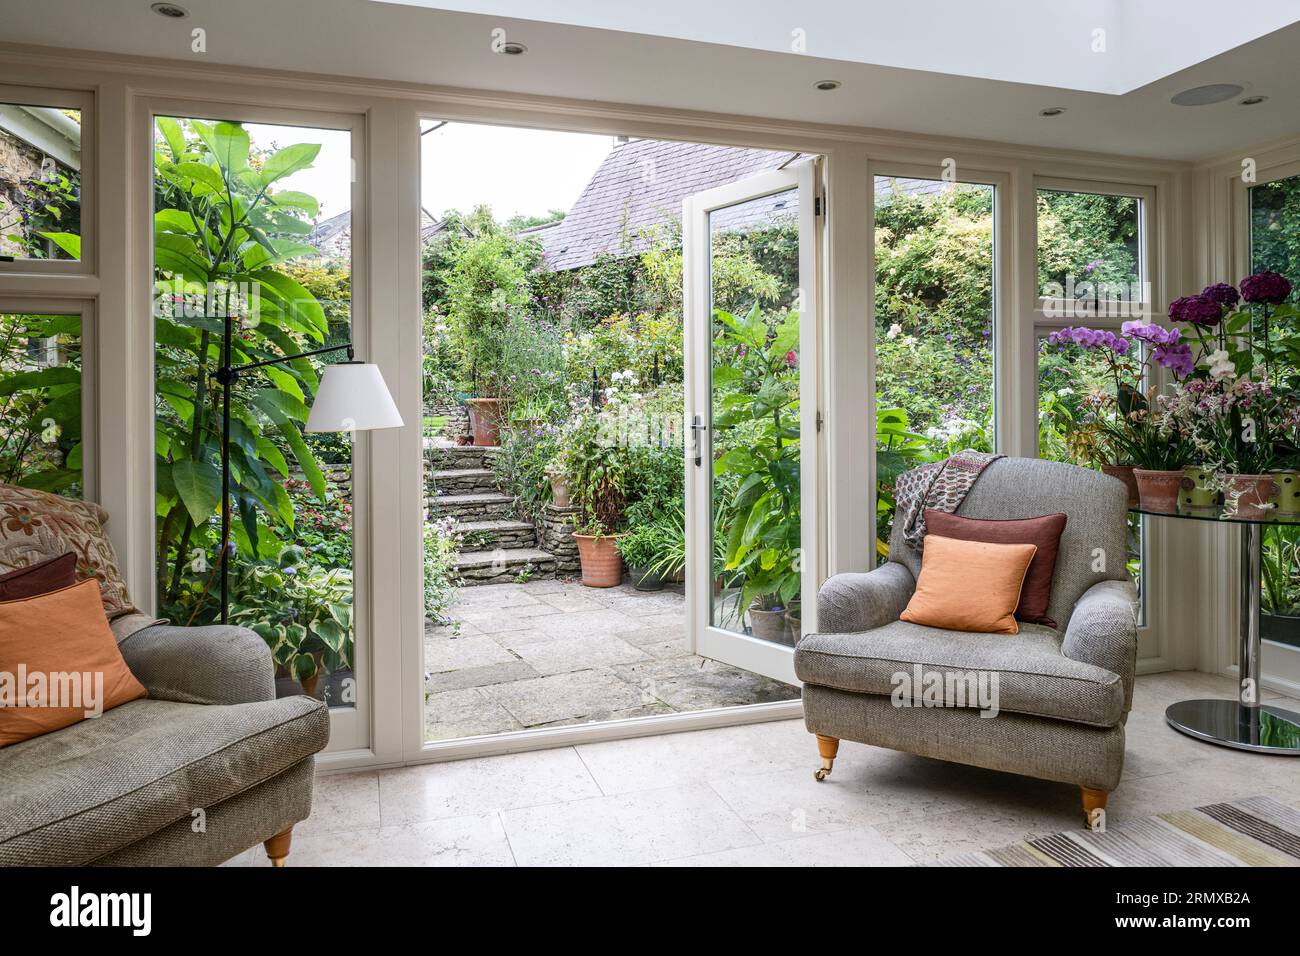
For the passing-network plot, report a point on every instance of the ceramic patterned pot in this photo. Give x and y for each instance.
(1252, 497)
(1288, 492)
(1196, 492)
(1158, 490)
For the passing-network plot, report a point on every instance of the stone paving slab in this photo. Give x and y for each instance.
(552, 652)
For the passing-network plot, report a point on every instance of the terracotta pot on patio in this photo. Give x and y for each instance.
(793, 623)
(484, 419)
(602, 565)
(1158, 490)
(1125, 474)
(1254, 496)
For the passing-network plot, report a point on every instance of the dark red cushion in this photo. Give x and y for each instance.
(54, 574)
(1045, 532)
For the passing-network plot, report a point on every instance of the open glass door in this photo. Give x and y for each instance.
(751, 370)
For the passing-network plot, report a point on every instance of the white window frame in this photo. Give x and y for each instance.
(350, 727)
(84, 102)
(84, 309)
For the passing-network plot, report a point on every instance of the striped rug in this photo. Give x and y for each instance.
(1256, 831)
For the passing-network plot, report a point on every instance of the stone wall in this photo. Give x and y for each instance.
(18, 164)
(555, 534)
(338, 481)
(457, 418)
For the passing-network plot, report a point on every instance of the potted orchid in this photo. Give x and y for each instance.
(1131, 421)
(1238, 407)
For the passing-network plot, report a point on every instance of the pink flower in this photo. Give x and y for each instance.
(791, 358)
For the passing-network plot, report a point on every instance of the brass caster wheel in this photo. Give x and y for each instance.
(822, 773)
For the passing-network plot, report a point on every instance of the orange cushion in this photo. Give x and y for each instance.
(57, 649)
(969, 585)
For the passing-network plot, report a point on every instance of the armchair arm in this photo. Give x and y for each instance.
(218, 664)
(1103, 631)
(857, 601)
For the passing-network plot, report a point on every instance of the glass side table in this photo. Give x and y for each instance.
(1244, 723)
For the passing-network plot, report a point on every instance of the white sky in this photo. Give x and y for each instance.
(515, 171)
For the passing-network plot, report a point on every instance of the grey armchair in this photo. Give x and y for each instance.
(1063, 694)
(208, 765)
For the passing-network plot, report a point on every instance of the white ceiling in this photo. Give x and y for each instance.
(360, 38)
(1100, 46)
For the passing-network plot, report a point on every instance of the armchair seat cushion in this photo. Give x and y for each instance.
(1034, 677)
(70, 797)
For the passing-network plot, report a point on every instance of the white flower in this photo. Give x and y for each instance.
(894, 331)
(909, 341)
(1221, 366)
(1064, 391)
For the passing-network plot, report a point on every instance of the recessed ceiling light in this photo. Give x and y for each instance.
(169, 10)
(513, 48)
(1206, 95)
(1052, 111)
(826, 85)
(1252, 101)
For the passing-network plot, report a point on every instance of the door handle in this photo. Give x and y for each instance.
(696, 428)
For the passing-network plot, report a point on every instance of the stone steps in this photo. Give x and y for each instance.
(502, 565)
(463, 481)
(482, 506)
(499, 533)
(440, 455)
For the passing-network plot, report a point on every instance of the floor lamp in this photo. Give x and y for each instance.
(352, 397)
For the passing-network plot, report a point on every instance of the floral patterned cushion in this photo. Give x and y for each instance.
(36, 525)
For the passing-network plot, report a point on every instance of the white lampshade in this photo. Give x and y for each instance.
(352, 398)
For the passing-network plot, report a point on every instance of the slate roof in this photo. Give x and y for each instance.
(641, 185)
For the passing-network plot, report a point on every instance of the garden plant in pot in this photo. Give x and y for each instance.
(1237, 409)
(758, 425)
(596, 473)
(486, 291)
(1131, 418)
(644, 548)
(303, 612)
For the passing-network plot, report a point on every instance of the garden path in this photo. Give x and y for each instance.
(547, 653)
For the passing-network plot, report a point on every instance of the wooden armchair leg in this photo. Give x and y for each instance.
(827, 747)
(1094, 807)
(277, 848)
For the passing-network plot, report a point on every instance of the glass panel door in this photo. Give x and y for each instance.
(752, 417)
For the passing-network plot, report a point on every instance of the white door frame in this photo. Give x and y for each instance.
(740, 650)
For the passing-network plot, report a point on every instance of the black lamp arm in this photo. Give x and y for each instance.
(227, 373)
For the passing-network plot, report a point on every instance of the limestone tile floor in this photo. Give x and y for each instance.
(552, 652)
(746, 796)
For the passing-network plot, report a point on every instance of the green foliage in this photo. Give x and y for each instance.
(1275, 230)
(226, 240)
(440, 578)
(40, 402)
(644, 546)
(301, 610)
(756, 421)
(1091, 237)
(528, 452)
(47, 216)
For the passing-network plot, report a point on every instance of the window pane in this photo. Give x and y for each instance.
(40, 182)
(40, 402)
(934, 328)
(1275, 247)
(754, 491)
(278, 277)
(1069, 380)
(1088, 246)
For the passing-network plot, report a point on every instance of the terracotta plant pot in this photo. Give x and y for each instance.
(1253, 497)
(602, 565)
(1288, 492)
(1125, 474)
(464, 440)
(1196, 491)
(559, 490)
(768, 625)
(1158, 490)
(484, 420)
